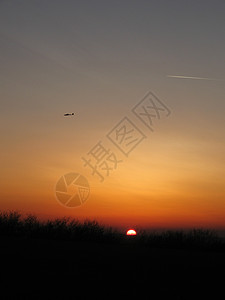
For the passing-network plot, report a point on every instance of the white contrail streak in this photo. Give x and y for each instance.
(192, 77)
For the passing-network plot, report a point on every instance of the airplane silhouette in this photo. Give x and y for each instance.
(68, 114)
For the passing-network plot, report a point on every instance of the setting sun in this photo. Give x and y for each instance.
(131, 232)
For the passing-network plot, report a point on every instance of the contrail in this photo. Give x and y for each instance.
(192, 77)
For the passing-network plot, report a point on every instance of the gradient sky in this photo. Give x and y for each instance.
(98, 59)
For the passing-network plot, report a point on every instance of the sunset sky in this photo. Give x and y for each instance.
(98, 59)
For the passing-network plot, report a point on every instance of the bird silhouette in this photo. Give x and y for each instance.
(68, 114)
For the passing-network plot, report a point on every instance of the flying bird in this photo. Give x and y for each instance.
(68, 114)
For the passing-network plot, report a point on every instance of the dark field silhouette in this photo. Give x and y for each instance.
(67, 259)
(12, 223)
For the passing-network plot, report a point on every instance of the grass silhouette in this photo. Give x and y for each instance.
(12, 223)
(67, 259)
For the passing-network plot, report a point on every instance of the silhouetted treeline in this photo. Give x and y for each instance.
(12, 223)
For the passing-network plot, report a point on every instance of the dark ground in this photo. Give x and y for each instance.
(53, 269)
